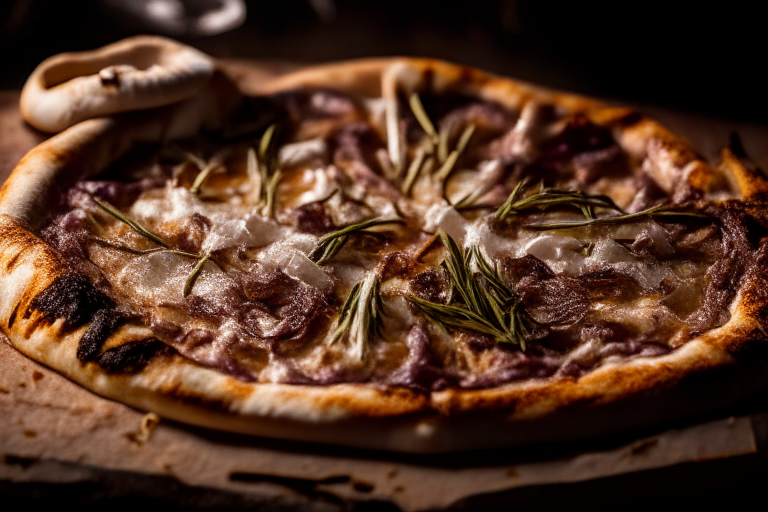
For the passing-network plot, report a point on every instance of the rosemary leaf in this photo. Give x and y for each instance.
(254, 173)
(272, 184)
(413, 171)
(265, 141)
(655, 212)
(199, 162)
(465, 137)
(360, 316)
(421, 116)
(114, 245)
(327, 198)
(467, 202)
(194, 274)
(331, 243)
(445, 170)
(442, 144)
(130, 222)
(202, 177)
(395, 139)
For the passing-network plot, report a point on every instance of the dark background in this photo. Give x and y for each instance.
(704, 60)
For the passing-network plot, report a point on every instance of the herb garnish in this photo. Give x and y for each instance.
(655, 212)
(552, 198)
(361, 315)
(202, 177)
(195, 272)
(421, 116)
(130, 222)
(264, 168)
(433, 149)
(149, 235)
(479, 301)
(450, 162)
(331, 243)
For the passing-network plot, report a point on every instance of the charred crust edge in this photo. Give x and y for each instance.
(103, 323)
(72, 297)
(131, 357)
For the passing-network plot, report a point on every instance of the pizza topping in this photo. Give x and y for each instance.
(331, 243)
(360, 316)
(489, 306)
(551, 198)
(280, 268)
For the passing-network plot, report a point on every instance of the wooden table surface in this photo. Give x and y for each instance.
(61, 444)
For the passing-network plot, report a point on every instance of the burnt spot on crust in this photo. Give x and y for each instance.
(12, 317)
(72, 297)
(103, 324)
(12, 262)
(130, 357)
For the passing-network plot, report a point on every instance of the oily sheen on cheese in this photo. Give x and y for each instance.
(264, 311)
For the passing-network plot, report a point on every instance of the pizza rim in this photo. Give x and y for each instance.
(336, 404)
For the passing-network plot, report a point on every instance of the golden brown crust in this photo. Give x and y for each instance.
(134, 74)
(359, 414)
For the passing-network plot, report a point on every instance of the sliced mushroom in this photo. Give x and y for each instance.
(134, 74)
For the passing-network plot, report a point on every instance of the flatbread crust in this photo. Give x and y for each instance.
(710, 370)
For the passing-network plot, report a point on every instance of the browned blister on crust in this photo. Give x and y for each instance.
(88, 331)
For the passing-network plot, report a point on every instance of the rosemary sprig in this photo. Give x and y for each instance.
(547, 198)
(659, 211)
(130, 222)
(361, 315)
(331, 243)
(479, 301)
(261, 165)
(458, 317)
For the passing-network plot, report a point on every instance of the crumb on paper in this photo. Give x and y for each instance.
(148, 423)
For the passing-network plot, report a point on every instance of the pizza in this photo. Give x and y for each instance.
(397, 254)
